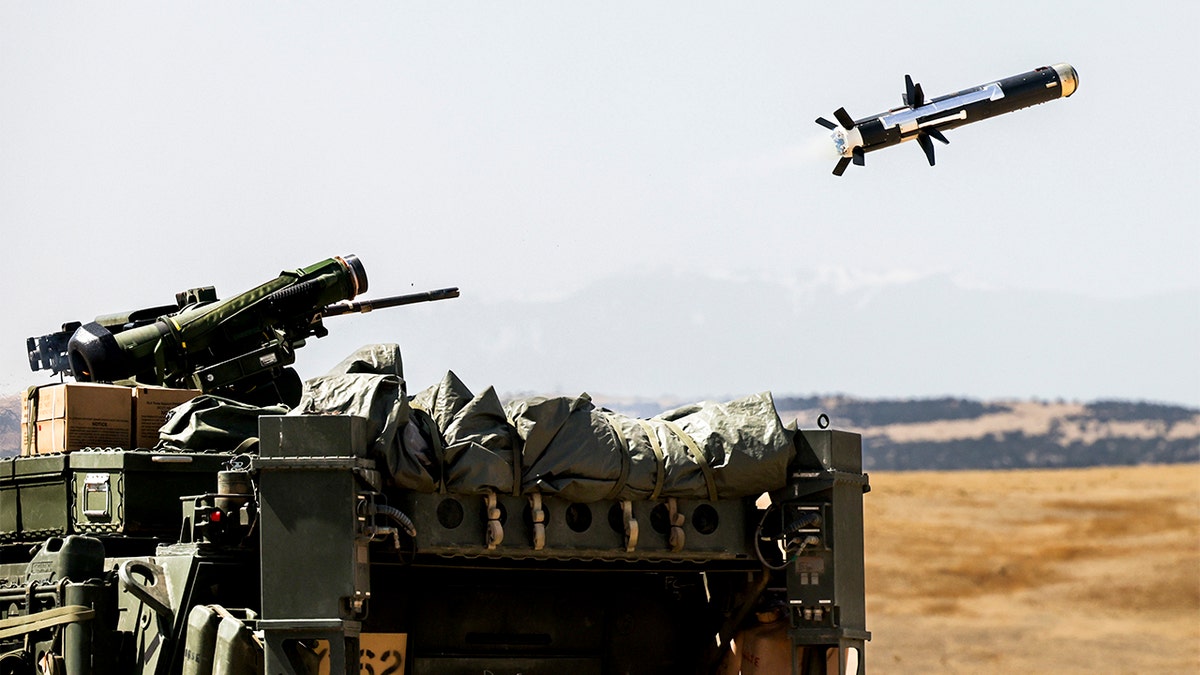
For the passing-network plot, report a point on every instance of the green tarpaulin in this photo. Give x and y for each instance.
(449, 439)
(467, 443)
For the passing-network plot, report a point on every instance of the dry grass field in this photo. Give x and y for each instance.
(1037, 571)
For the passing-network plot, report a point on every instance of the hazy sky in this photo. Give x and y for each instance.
(534, 149)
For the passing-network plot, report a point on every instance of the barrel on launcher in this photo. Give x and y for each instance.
(926, 120)
(364, 306)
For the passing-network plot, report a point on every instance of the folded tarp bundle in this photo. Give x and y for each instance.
(703, 451)
(213, 424)
(446, 438)
(473, 448)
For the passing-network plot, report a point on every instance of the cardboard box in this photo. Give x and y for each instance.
(76, 415)
(26, 439)
(150, 407)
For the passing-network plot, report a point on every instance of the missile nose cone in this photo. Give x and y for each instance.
(1068, 77)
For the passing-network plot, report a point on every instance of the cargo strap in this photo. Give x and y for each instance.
(29, 435)
(698, 455)
(20, 625)
(623, 446)
(517, 470)
(659, 459)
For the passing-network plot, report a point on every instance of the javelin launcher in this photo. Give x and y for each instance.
(240, 347)
(923, 121)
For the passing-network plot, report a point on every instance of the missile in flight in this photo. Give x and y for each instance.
(926, 120)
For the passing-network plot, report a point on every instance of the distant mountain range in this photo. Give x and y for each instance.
(10, 425)
(809, 329)
(946, 433)
(708, 337)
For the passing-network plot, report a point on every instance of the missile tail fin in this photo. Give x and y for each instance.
(938, 135)
(926, 145)
(844, 118)
(860, 157)
(847, 123)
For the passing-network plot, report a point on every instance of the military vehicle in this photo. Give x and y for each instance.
(347, 527)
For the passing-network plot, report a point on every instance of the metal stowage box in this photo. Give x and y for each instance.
(824, 497)
(137, 493)
(133, 493)
(313, 473)
(33, 498)
(309, 521)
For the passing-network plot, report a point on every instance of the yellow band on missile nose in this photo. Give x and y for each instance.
(1068, 77)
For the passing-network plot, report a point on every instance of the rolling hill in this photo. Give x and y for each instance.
(948, 433)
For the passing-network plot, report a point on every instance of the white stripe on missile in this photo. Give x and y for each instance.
(962, 115)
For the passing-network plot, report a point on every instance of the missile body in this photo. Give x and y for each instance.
(926, 120)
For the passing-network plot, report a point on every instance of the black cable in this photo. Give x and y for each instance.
(398, 516)
(758, 543)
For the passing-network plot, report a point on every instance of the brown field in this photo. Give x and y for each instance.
(1063, 571)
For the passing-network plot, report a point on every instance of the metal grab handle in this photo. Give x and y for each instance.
(676, 539)
(631, 525)
(495, 529)
(538, 516)
(153, 595)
